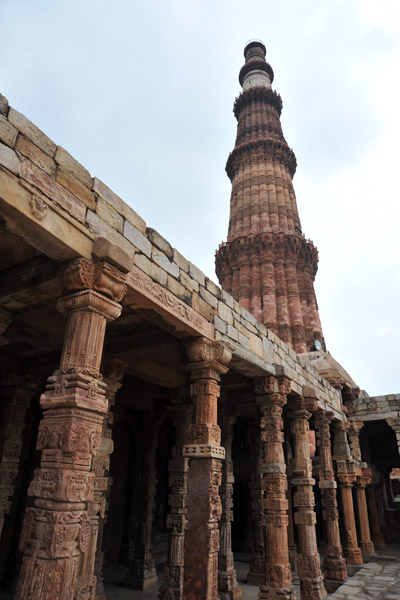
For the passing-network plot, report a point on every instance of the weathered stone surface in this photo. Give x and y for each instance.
(174, 310)
(103, 249)
(35, 154)
(213, 288)
(9, 159)
(8, 133)
(225, 312)
(110, 215)
(178, 290)
(202, 307)
(52, 190)
(152, 270)
(67, 163)
(220, 325)
(137, 239)
(41, 222)
(3, 105)
(160, 242)
(196, 274)
(162, 261)
(180, 260)
(33, 133)
(208, 297)
(101, 229)
(76, 188)
(189, 283)
(119, 205)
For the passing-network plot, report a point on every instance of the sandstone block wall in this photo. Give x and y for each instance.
(53, 181)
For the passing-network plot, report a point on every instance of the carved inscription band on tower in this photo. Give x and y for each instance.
(267, 264)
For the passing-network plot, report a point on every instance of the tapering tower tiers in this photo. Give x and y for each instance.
(267, 264)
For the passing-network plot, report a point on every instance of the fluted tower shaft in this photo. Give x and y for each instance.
(267, 264)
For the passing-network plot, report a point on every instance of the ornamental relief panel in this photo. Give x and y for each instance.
(69, 434)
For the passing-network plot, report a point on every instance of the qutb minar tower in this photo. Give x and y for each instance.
(267, 264)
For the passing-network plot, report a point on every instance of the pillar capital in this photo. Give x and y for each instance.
(102, 277)
(363, 481)
(346, 480)
(310, 399)
(208, 359)
(276, 388)
(355, 427)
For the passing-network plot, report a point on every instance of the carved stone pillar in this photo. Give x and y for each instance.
(227, 580)
(113, 371)
(377, 535)
(178, 467)
(366, 544)
(142, 573)
(291, 540)
(256, 574)
(16, 394)
(58, 537)
(271, 395)
(308, 559)
(334, 564)
(207, 361)
(354, 428)
(346, 478)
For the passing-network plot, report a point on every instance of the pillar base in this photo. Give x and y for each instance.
(270, 593)
(255, 578)
(141, 584)
(331, 585)
(335, 573)
(235, 594)
(367, 549)
(312, 588)
(353, 556)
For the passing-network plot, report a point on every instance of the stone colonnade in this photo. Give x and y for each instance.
(63, 525)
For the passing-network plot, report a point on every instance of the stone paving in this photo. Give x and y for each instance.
(378, 579)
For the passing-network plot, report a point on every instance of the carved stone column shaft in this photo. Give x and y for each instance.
(346, 478)
(227, 580)
(207, 361)
(59, 535)
(271, 396)
(308, 559)
(334, 564)
(178, 467)
(366, 544)
(16, 394)
(113, 371)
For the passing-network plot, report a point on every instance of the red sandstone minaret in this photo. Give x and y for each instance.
(267, 264)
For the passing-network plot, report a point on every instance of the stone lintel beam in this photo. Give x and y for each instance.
(36, 219)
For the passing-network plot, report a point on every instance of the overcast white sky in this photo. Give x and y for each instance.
(141, 92)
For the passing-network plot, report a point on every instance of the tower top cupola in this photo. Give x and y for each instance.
(256, 71)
